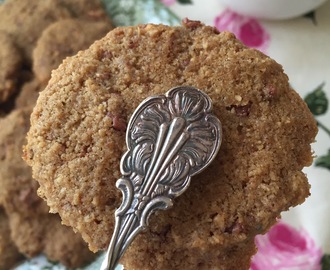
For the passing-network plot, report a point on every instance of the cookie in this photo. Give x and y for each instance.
(77, 138)
(18, 188)
(2, 113)
(73, 251)
(10, 65)
(65, 38)
(9, 255)
(46, 234)
(29, 93)
(86, 9)
(33, 229)
(25, 21)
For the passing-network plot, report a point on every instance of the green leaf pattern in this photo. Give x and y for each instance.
(317, 101)
(318, 104)
(323, 161)
(325, 262)
(184, 2)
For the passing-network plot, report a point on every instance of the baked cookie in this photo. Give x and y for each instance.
(18, 188)
(25, 20)
(33, 229)
(77, 138)
(29, 93)
(9, 255)
(65, 38)
(2, 113)
(86, 9)
(45, 234)
(10, 65)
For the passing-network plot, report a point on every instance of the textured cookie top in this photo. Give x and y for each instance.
(77, 138)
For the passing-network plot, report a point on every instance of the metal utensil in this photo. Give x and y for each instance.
(169, 139)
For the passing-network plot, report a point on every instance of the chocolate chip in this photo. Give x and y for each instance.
(241, 110)
(133, 44)
(191, 24)
(235, 228)
(269, 92)
(104, 54)
(118, 123)
(215, 30)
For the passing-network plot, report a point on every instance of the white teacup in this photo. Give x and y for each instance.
(273, 9)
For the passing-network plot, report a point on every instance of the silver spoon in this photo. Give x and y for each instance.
(169, 139)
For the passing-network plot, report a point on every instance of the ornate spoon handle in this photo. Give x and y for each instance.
(169, 139)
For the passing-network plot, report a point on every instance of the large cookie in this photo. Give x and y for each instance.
(33, 229)
(29, 93)
(77, 138)
(9, 255)
(45, 234)
(10, 66)
(86, 9)
(25, 21)
(64, 38)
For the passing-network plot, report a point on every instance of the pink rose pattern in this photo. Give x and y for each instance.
(286, 248)
(168, 2)
(246, 29)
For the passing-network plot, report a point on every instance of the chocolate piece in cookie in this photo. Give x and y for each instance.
(64, 38)
(9, 255)
(10, 66)
(33, 229)
(74, 147)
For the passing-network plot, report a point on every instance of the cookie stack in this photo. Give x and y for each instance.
(35, 37)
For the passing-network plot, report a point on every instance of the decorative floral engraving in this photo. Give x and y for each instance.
(170, 138)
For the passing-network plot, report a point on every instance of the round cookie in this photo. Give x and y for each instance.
(18, 192)
(77, 138)
(45, 234)
(33, 229)
(25, 21)
(10, 65)
(29, 93)
(86, 9)
(64, 38)
(9, 255)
